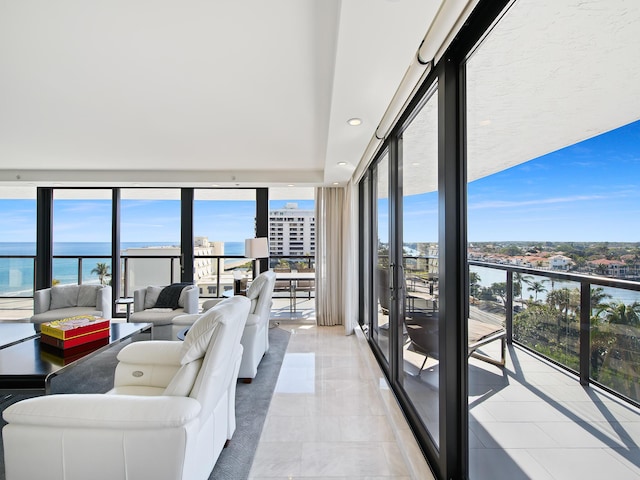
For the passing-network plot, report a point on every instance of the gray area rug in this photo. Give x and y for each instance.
(252, 402)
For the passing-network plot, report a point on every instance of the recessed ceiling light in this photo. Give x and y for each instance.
(336, 183)
(355, 121)
(291, 185)
(215, 185)
(415, 164)
(342, 164)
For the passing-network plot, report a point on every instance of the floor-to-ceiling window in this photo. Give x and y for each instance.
(222, 220)
(537, 116)
(17, 248)
(82, 229)
(292, 249)
(553, 149)
(149, 237)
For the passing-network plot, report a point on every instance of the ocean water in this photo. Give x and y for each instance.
(17, 274)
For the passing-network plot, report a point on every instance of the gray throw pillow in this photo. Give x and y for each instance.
(64, 296)
(151, 297)
(87, 295)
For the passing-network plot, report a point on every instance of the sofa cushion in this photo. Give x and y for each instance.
(60, 313)
(87, 295)
(64, 296)
(197, 340)
(157, 316)
(151, 296)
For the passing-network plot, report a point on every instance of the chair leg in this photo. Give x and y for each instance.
(423, 363)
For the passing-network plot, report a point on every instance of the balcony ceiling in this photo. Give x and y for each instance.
(200, 93)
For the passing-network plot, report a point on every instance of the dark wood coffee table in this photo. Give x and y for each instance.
(26, 366)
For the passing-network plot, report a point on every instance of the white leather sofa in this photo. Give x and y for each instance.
(145, 310)
(170, 413)
(63, 301)
(255, 338)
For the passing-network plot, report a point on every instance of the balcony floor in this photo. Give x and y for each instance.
(534, 420)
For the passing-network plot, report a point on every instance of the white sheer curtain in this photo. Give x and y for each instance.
(350, 266)
(329, 256)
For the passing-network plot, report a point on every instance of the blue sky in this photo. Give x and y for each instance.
(141, 220)
(589, 191)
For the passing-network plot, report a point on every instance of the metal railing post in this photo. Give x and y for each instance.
(509, 307)
(585, 332)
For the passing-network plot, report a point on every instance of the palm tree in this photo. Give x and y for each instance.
(538, 287)
(102, 270)
(519, 279)
(620, 313)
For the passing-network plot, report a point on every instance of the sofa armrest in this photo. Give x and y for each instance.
(191, 300)
(138, 299)
(41, 300)
(103, 411)
(148, 364)
(104, 301)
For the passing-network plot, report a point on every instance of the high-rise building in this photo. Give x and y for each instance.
(292, 231)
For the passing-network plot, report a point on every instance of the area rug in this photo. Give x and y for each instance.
(252, 402)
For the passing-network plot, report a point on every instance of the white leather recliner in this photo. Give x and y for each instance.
(255, 338)
(170, 413)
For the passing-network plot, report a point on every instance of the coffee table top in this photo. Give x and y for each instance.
(24, 365)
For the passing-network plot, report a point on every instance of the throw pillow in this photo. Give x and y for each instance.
(64, 296)
(87, 295)
(151, 297)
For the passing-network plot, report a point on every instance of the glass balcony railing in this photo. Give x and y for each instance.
(589, 325)
(214, 274)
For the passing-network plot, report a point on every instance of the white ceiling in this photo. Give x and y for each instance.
(198, 92)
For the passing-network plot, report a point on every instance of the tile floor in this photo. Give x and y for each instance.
(331, 416)
(533, 420)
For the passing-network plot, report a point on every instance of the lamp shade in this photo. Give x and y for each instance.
(256, 247)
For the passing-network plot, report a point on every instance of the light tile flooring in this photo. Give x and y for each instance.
(533, 420)
(331, 416)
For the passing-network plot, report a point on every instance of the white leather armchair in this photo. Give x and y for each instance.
(170, 413)
(63, 301)
(146, 311)
(255, 338)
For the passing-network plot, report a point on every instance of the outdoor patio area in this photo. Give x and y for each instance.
(534, 420)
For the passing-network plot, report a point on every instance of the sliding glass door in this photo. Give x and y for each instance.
(418, 280)
(380, 258)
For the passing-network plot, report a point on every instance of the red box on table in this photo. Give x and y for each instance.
(73, 331)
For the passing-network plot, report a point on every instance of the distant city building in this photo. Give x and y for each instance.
(292, 231)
